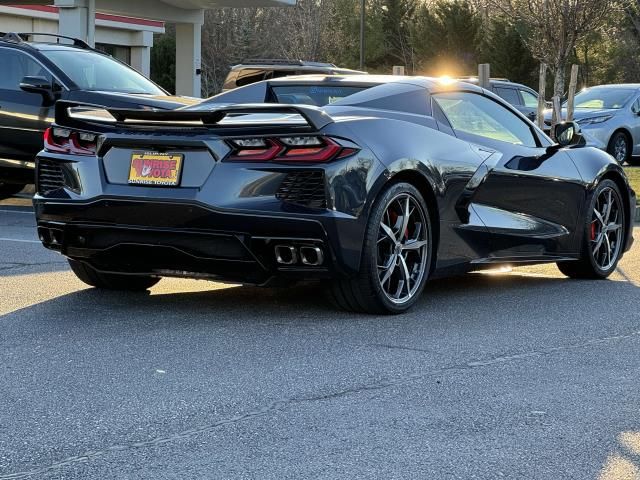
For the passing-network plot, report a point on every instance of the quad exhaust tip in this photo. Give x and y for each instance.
(311, 256)
(308, 255)
(286, 255)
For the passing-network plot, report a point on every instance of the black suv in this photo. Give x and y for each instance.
(252, 71)
(36, 74)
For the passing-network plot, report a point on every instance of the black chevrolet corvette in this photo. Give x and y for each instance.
(373, 195)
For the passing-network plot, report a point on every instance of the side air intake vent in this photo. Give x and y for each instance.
(304, 187)
(50, 176)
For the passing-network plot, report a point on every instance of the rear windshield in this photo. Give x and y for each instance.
(93, 71)
(319, 95)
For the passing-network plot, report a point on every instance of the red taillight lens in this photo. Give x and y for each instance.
(63, 140)
(288, 149)
(257, 150)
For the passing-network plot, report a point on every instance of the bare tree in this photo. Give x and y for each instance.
(553, 28)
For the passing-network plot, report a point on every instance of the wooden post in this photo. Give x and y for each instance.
(573, 83)
(484, 75)
(557, 114)
(398, 70)
(542, 103)
(363, 18)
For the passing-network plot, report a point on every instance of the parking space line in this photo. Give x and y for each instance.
(18, 240)
(23, 212)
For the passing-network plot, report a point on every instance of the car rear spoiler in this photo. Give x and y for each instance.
(315, 117)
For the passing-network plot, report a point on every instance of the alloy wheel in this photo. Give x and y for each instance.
(606, 234)
(620, 149)
(402, 248)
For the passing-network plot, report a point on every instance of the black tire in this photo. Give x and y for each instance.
(588, 266)
(111, 281)
(364, 292)
(633, 161)
(620, 147)
(10, 189)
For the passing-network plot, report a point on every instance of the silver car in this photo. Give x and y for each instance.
(609, 116)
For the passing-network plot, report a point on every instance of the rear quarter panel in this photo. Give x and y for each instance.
(445, 162)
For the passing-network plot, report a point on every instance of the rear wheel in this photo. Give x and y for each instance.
(111, 281)
(396, 256)
(10, 189)
(603, 242)
(620, 147)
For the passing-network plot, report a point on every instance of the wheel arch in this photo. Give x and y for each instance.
(619, 179)
(427, 190)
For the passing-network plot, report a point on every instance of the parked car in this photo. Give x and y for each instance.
(525, 99)
(252, 71)
(36, 74)
(609, 116)
(373, 194)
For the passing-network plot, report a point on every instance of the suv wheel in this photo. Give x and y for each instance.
(10, 189)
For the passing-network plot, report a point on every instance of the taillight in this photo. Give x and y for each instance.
(64, 140)
(288, 149)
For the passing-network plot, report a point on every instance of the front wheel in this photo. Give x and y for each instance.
(603, 241)
(111, 281)
(619, 147)
(396, 256)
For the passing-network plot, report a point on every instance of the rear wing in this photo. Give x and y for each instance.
(88, 116)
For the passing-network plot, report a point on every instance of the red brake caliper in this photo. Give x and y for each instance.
(593, 230)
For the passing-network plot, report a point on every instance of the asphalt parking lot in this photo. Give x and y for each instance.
(517, 374)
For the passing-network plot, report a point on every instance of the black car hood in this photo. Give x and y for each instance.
(128, 100)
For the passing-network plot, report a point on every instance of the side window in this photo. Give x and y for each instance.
(635, 108)
(17, 65)
(441, 119)
(475, 114)
(508, 94)
(530, 100)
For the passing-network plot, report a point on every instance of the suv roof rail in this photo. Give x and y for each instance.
(22, 37)
(283, 61)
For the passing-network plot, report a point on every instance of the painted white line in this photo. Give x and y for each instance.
(18, 211)
(18, 240)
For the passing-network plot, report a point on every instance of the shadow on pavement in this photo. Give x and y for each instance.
(461, 299)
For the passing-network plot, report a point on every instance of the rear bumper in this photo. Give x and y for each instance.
(223, 221)
(194, 241)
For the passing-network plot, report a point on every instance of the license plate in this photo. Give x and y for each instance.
(155, 168)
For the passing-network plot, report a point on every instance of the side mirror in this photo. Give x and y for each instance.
(567, 133)
(39, 85)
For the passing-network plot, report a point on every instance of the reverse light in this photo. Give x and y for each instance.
(289, 149)
(64, 140)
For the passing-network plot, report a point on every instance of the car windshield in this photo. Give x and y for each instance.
(93, 71)
(319, 95)
(603, 98)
